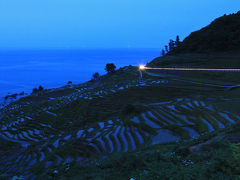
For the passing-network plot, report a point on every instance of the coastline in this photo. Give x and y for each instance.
(23, 70)
(4, 103)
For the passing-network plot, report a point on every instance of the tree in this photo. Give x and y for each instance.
(177, 42)
(171, 45)
(69, 82)
(6, 97)
(166, 49)
(14, 95)
(35, 90)
(95, 76)
(110, 68)
(40, 88)
(163, 52)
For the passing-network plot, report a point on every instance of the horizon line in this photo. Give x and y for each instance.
(80, 48)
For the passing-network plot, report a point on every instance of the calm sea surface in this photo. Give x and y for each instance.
(24, 70)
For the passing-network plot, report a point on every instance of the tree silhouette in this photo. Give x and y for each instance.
(40, 88)
(166, 49)
(171, 45)
(35, 90)
(163, 52)
(177, 42)
(95, 76)
(110, 68)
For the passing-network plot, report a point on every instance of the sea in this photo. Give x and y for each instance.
(23, 70)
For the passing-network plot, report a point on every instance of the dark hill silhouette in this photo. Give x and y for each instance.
(215, 46)
(222, 35)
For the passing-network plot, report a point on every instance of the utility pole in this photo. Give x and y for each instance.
(140, 71)
(140, 75)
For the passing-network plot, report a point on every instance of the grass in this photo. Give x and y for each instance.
(85, 113)
(177, 130)
(217, 160)
(217, 60)
(77, 113)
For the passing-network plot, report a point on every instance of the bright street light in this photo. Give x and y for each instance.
(141, 67)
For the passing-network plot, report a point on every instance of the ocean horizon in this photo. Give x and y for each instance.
(23, 70)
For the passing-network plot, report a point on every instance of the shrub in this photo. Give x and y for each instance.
(110, 68)
(95, 76)
(14, 95)
(128, 109)
(11, 96)
(6, 97)
(131, 109)
(40, 88)
(35, 90)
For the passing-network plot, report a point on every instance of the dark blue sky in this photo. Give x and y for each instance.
(104, 23)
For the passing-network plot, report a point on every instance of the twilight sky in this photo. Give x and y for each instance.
(27, 24)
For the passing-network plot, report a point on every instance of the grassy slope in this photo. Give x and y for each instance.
(215, 60)
(214, 46)
(147, 163)
(211, 156)
(223, 34)
(218, 155)
(86, 113)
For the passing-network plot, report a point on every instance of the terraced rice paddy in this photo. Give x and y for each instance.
(43, 135)
(44, 146)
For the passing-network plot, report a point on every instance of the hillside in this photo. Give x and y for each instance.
(215, 46)
(52, 134)
(212, 156)
(222, 35)
(161, 125)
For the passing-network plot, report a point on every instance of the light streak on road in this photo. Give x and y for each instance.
(190, 69)
(142, 67)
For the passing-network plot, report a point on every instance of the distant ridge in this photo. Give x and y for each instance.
(214, 46)
(222, 35)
